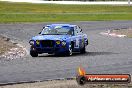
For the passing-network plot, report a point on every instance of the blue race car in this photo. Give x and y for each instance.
(59, 38)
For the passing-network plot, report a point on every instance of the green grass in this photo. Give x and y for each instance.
(26, 12)
(61, 17)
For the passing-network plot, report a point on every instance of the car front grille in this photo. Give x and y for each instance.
(47, 43)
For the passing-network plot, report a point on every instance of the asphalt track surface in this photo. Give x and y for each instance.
(104, 54)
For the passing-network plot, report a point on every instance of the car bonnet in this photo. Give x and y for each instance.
(51, 37)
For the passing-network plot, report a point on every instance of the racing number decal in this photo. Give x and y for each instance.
(77, 43)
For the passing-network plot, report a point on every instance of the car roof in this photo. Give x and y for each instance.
(63, 25)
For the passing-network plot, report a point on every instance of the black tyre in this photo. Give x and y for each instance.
(87, 42)
(83, 50)
(33, 52)
(69, 52)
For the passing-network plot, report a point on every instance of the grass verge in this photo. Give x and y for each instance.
(27, 12)
(7, 18)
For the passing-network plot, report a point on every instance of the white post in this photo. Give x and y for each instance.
(129, 2)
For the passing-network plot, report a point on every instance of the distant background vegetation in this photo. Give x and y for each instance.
(27, 12)
(85, 0)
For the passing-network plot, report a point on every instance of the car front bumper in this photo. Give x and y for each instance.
(49, 46)
(51, 50)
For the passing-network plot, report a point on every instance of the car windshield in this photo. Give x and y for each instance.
(57, 31)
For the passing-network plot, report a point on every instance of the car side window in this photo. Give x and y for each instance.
(75, 31)
(80, 31)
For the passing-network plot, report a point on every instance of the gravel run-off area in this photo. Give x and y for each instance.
(10, 50)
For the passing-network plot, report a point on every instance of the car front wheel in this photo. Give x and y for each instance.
(33, 52)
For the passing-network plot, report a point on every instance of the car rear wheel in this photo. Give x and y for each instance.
(69, 52)
(83, 50)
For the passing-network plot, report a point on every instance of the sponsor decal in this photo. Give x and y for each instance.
(83, 78)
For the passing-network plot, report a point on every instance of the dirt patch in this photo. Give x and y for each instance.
(10, 50)
(5, 45)
(65, 84)
(123, 31)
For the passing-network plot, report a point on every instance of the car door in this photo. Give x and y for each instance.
(81, 38)
(78, 37)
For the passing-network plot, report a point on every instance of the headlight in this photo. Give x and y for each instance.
(63, 43)
(31, 42)
(37, 42)
(57, 42)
